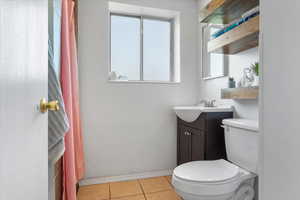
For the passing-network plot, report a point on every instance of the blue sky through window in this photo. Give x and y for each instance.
(125, 46)
(157, 50)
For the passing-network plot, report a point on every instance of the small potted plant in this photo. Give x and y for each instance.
(255, 69)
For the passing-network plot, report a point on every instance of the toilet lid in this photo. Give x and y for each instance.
(207, 171)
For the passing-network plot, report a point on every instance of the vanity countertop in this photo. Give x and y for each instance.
(191, 113)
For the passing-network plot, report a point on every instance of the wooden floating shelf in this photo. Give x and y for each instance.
(225, 11)
(242, 37)
(240, 93)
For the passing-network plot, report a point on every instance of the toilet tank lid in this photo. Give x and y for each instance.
(242, 123)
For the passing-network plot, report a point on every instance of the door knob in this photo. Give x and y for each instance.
(45, 106)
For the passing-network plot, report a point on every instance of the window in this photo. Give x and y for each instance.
(213, 64)
(142, 48)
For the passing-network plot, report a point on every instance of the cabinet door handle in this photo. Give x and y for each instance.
(187, 133)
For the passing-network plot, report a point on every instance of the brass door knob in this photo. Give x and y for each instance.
(45, 106)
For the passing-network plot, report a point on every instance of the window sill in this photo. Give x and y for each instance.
(213, 77)
(142, 82)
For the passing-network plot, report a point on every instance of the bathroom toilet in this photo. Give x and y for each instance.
(221, 179)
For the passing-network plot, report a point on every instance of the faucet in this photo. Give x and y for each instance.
(208, 103)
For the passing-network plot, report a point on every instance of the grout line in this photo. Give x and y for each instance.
(109, 195)
(133, 195)
(171, 189)
(167, 179)
(142, 189)
(169, 182)
(160, 191)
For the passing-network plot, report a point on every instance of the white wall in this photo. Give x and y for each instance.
(211, 89)
(130, 128)
(281, 98)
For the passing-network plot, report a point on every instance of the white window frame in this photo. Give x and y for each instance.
(119, 9)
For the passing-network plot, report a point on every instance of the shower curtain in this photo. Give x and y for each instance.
(73, 159)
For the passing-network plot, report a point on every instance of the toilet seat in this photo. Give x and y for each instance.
(216, 177)
(207, 171)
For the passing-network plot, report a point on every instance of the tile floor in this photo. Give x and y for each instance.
(157, 188)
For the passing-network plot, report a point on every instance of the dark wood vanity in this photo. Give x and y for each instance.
(202, 139)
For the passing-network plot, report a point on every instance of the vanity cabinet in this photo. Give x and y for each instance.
(202, 139)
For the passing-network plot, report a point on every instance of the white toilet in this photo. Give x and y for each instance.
(221, 179)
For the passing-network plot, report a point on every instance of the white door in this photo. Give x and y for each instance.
(23, 82)
(280, 177)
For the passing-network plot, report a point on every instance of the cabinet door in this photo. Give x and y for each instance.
(184, 145)
(197, 144)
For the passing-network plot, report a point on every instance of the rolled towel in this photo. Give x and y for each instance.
(113, 76)
(250, 12)
(245, 192)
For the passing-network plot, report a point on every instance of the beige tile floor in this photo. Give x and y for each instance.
(157, 188)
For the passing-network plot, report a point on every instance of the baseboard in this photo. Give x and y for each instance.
(99, 180)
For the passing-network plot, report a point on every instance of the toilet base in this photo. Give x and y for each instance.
(244, 192)
(187, 196)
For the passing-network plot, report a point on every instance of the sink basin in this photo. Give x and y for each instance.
(191, 113)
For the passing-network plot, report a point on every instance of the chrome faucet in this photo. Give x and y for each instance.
(208, 103)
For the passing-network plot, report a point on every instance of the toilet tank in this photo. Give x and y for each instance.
(242, 143)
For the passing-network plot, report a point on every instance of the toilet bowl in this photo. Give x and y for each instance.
(221, 179)
(209, 180)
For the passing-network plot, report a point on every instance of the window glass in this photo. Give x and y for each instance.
(141, 49)
(125, 47)
(156, 50)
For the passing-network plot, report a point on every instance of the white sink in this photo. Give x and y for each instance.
(191, 113)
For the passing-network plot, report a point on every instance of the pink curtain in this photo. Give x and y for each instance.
(73, 159)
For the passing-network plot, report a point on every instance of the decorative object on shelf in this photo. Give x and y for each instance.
(248, 78)
(231, 82)
(239, 84)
